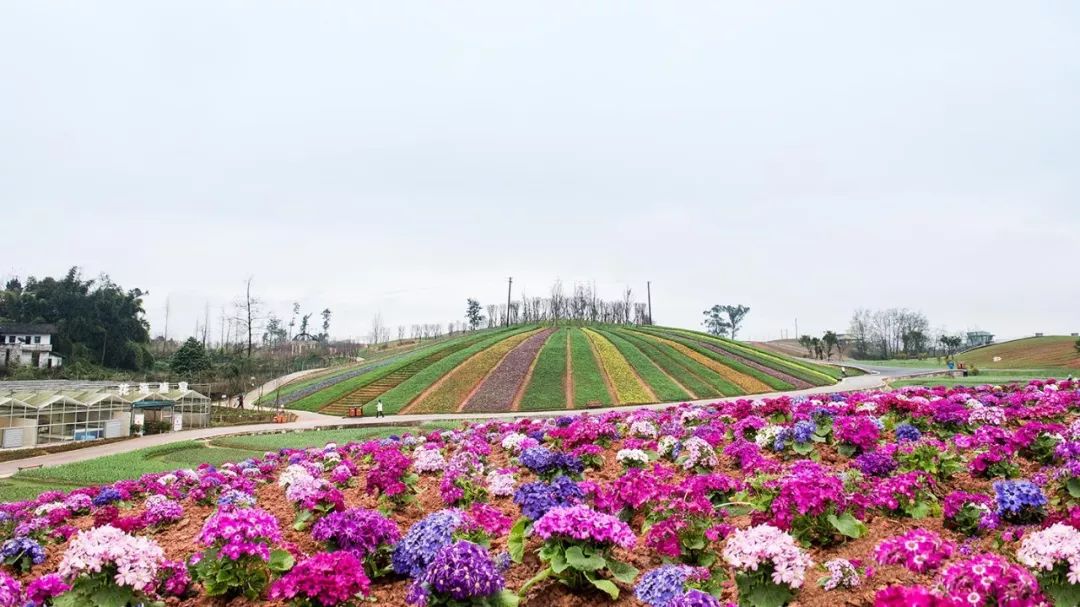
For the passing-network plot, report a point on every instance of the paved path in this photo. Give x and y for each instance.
(256, 393)
(309, 421)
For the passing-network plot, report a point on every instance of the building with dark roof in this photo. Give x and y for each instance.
(28, 345)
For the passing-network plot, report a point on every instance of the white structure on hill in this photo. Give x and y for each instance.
(28, 345)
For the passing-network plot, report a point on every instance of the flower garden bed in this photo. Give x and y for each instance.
(950, 497)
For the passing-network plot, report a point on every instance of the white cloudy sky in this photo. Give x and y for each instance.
(397, 157)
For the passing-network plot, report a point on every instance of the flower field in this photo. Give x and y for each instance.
(944, 496)
(521, 368)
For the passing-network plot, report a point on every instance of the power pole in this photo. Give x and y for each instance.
(509, 283)
(648, 289)
(796, 327)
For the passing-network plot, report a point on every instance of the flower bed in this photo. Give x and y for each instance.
(498, 390)
(627, 385)
(862, 499)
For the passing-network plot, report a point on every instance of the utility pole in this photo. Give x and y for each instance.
(509, 283)
(648, 289)
(796, 327)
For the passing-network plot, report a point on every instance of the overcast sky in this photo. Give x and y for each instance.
(803, 158)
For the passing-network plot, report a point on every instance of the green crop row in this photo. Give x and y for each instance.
(547, 387)
(769, 380)
(589, 385)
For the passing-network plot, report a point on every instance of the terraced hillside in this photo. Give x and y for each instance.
(541, 368)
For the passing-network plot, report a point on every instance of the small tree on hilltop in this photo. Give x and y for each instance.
(735, 316)
(829, 340)
(715, 323)
(190, 360)
(807, 342)
(473, 314)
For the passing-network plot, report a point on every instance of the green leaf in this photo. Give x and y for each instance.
(302, 518)
(516, 543)
(919, 510)
(605, 585)
(577, 559)
(803, 448)
(1064, 595)
(624, 572)
(1073, 486)
(281, 561)
(558, 561)
(848, 525)
(769, 595)
(506, 598)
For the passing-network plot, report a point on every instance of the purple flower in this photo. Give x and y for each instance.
(357, 530)
(584, 523)
(39, 591)
(327, 579)
(417, 549)
(460, 572)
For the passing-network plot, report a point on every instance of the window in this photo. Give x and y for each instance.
(37, 339)
(11, 339)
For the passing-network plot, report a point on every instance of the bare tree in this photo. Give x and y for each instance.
(248, 314)
(401, 333)
(378, 332)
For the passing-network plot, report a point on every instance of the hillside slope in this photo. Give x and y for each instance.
(540, 367)
(1055, 351)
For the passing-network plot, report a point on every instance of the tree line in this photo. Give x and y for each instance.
(97, 321)
(582, 304)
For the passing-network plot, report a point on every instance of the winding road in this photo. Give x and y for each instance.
(306, 420)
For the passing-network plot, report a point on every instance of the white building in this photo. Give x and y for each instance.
(28, 346)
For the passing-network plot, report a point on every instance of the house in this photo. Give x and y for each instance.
(979, 338)
(28, 345)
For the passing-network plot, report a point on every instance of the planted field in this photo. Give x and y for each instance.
(547, 386)
(923, 496)
(497, 392)
(452, 391)
(522, 367)
(663, 386)
(1055, 351)
(817, 375)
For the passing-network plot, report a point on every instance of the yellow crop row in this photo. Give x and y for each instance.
(628, 386)
(453, 389)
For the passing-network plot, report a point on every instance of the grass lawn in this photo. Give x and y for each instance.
(185, 454)
(547, 387)
(907, 363)
(995, 377)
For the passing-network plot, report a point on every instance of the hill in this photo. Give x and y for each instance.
(1055, 351)
(540, 367)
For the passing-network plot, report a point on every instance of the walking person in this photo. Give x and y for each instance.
(240, 402)
(378, 409)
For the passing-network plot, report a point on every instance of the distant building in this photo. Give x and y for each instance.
(979, 338)
(28, 345)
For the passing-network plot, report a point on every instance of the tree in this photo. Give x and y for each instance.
(829, 340)
(818, 347)
(1077, 345)
(473, 314)
(325, 324)
(951, 344)
(735, 315)
(914, 342)
(274, 333)
(190, 360)
(248, 314)
(304, 320)
(96, 320)
(715, 321)
(807, 342)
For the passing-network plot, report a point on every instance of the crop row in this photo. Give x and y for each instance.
(547, 387)
(500, 387)
(628, 387)
(663, 386)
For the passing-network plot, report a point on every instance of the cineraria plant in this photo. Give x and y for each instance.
(918, 550)
(697, 454)
(43, 590)
(811, 504)
(995, 463)
(989, 580)
(1054, 554)
(105, 566)
(390, 478)
(969, 513)
(1020, 502)
(22, 553)
(908, 494)
(632, 458)
(769, 565)
(423, 540)
(10, 591)
(660, 586)
(325, 579)
(366, 533)
(577, 549)
(930, 456)
(462, 574)
(855, 434)
(239, 555)
(312, 498)
(842, 574)
(463, 481)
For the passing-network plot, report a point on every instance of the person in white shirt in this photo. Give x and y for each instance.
(378, 409)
